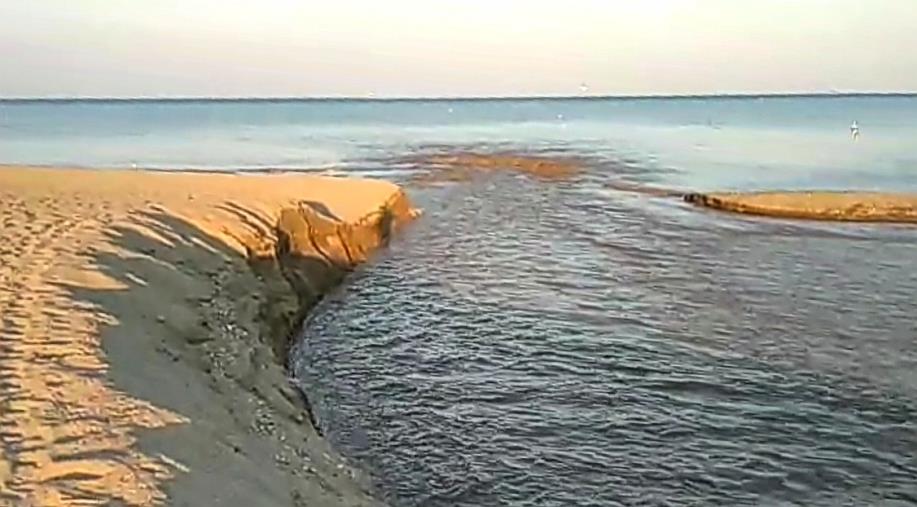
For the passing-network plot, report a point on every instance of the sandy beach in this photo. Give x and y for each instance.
(837, 206)
(145, 322)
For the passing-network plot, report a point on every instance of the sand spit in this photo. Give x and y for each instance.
(144, 322)
(462, 166)
(837, 206)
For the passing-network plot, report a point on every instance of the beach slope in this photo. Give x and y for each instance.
(145, 319)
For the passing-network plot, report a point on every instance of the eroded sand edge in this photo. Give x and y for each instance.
(144, 322)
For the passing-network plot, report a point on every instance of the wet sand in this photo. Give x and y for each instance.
(838, 206)
(462, 166)
(144, 322)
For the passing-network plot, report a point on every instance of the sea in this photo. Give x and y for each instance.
(577, 341)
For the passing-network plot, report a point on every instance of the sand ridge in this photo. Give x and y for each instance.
(451, 166)
(837, 206)
(128, 371)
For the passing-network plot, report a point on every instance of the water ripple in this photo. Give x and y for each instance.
(532, 343)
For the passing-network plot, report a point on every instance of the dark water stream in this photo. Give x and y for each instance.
(561, 343)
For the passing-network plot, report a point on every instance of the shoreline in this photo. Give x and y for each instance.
(146, 318)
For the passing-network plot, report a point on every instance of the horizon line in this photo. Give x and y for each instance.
(470, 98)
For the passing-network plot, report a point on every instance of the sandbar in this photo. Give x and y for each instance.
(834, 206)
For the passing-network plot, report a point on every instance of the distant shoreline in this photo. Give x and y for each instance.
(499, 98)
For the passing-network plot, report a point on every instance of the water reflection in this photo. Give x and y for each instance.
(570, 343)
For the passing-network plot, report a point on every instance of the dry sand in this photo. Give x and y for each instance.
(839, 206)
(137, 365)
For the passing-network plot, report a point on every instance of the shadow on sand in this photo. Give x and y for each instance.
(194, 348)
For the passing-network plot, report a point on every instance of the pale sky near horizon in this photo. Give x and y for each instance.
(129, 48)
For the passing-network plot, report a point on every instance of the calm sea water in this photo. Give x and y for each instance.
(703, 143)
(564, 343)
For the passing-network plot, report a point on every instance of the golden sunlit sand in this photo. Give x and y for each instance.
(839, 206)
(145, 318)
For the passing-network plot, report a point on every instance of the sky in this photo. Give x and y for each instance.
(409, 48)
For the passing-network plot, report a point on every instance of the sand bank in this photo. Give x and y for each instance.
(144, 322)
(839, 206)
(462, 166)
